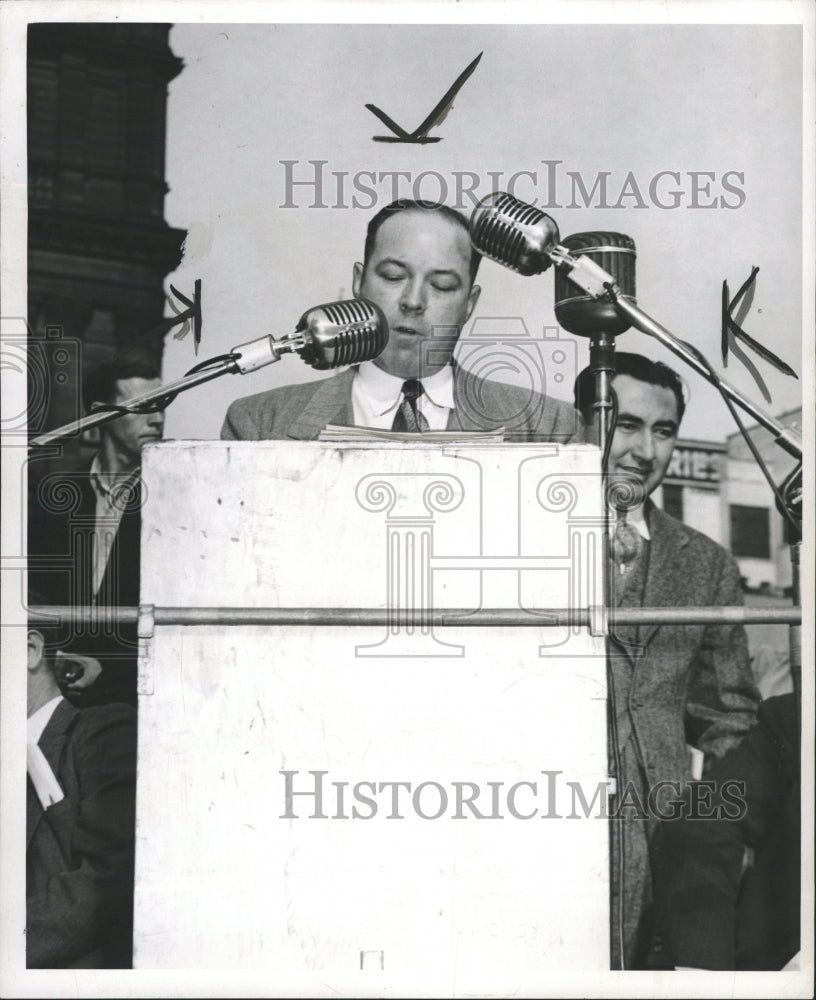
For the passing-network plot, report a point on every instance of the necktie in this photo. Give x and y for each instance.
(625, 542)
(408, 418)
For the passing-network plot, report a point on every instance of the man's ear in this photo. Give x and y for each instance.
(36, 649)
(473, 298)
(357, 279)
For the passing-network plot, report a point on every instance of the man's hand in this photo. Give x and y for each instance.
(74, 672)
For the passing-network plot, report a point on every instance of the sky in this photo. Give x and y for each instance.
(627, 100)
(695, 129)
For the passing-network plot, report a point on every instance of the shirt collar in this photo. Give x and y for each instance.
(384, 389)
(104, 483)
(40, 719)
(637, 518)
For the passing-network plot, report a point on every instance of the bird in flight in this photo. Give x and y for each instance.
(436, 117)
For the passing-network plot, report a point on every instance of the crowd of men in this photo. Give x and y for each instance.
(672, 686)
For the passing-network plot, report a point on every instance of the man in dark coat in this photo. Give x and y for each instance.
(80, 816)
(84, 537)
(709, 914)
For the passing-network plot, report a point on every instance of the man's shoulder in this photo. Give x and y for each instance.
(703, 546)
(269, 415)
(516, 393)
(272, 399)
(522, 405)
(95, 718)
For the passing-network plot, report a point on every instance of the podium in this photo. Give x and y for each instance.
(400, 803)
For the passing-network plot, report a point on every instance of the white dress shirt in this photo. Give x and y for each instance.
(39, 770)
(40, 719)
(376, 396)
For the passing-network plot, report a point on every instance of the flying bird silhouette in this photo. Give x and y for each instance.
(436, 117)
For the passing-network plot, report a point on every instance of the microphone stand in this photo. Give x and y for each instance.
(147, 402)
(602, 364)
(601, 285)
(790, 493)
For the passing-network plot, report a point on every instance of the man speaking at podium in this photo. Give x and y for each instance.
(673, 684)
(419, 268)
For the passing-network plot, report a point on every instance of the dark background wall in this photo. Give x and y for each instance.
(98, 245)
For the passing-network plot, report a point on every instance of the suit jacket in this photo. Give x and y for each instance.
(79, 857)
(710, 917)
(683, 683)
(302, 411)
(62, 514)
(61, 523)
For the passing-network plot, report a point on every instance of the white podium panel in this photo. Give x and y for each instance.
(384, 808)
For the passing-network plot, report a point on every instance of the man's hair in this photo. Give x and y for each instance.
(99, 386)
(410, 205)
(635, 366)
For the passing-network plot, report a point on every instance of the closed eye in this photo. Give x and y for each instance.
(391, 272)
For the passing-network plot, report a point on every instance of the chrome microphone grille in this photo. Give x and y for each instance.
(343, 333)
(513, 233)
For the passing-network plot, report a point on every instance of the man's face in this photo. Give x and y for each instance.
(419, 275)
(129, 433)
(645, 434)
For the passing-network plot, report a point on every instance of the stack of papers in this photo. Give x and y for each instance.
(335, 432)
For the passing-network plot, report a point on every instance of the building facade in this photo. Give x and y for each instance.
(98, 245)
(720, 490)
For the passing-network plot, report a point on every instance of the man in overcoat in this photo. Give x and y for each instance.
(673, 686)
(80, 818)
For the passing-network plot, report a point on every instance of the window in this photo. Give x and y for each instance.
(673, 500)
(750, 532)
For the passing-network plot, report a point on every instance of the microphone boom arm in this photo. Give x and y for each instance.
(144, 403)
(601, 285)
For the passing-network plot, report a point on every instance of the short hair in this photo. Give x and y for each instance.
(99, 386)
(411, 205)
(635, 366)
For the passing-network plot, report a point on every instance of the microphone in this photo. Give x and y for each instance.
(327, 336)
(584, 314)
(526, 240)
(513, 233)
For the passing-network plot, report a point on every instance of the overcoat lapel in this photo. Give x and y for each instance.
(330, 404)
(665, 575)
